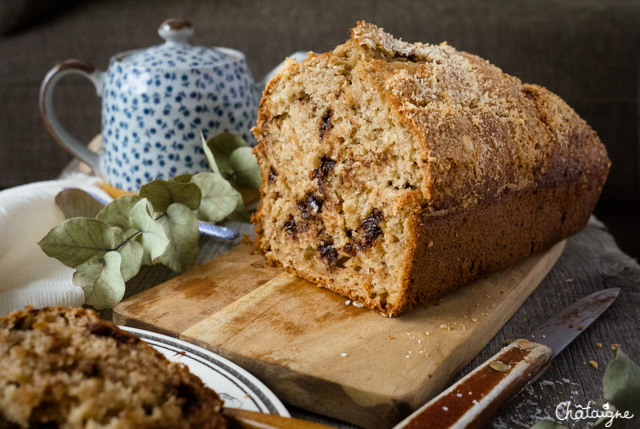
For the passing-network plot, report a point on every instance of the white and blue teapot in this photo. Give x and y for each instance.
(156, 102)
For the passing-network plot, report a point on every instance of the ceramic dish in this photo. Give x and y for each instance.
(237, 387)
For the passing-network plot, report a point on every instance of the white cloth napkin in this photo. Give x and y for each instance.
(27, 275)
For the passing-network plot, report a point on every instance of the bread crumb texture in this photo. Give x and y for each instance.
(67, 368)
(366, 152)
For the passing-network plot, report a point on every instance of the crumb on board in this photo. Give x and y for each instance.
(599, 345)
(474, 320)
(344, 354)
(615, 346)
(593, 364)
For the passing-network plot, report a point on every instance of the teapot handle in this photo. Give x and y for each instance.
(55, 128)
(298, 56)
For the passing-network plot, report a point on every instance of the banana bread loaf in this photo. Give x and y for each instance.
(67, 368)
(395, 172)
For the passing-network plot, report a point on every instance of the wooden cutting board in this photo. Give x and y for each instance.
(316, 351)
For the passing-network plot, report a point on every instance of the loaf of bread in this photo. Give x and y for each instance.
(67, 368)
(395, 172)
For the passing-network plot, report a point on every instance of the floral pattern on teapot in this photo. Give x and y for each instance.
(152, 120)
(157, 102)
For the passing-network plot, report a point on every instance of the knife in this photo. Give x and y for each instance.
(474, 400)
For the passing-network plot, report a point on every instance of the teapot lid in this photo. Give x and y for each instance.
(176, 52)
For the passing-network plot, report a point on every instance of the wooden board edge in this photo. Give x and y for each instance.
(371, 409)
(123, 320)
(125, 314)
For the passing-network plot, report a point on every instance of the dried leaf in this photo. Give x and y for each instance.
(183, 178)
(181, 226)
(101, 280)
(77, 240)
(240, 213)
(117, 212)
(621, 391)
(219, 198)
(163, 193)
(132, 253)
(246, 168)
(152, 236)
(75, 202)
(218, 151)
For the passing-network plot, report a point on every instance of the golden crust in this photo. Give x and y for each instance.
(470, 137)
(482, 131)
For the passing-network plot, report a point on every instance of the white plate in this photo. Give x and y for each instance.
(237, 387)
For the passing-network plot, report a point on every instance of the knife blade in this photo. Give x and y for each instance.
(474, 400)
(557, 332)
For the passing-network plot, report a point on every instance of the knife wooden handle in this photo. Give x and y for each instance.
(474, 400)
(243, 419)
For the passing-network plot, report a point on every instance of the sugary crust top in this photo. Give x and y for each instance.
(481, 131)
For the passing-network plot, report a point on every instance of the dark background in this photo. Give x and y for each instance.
(586, 51)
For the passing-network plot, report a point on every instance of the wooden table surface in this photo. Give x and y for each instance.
(591, 261)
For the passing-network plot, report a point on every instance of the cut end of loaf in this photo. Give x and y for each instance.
(358, 145)
(338, 180)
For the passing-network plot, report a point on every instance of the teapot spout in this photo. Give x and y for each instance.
(260, 85)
